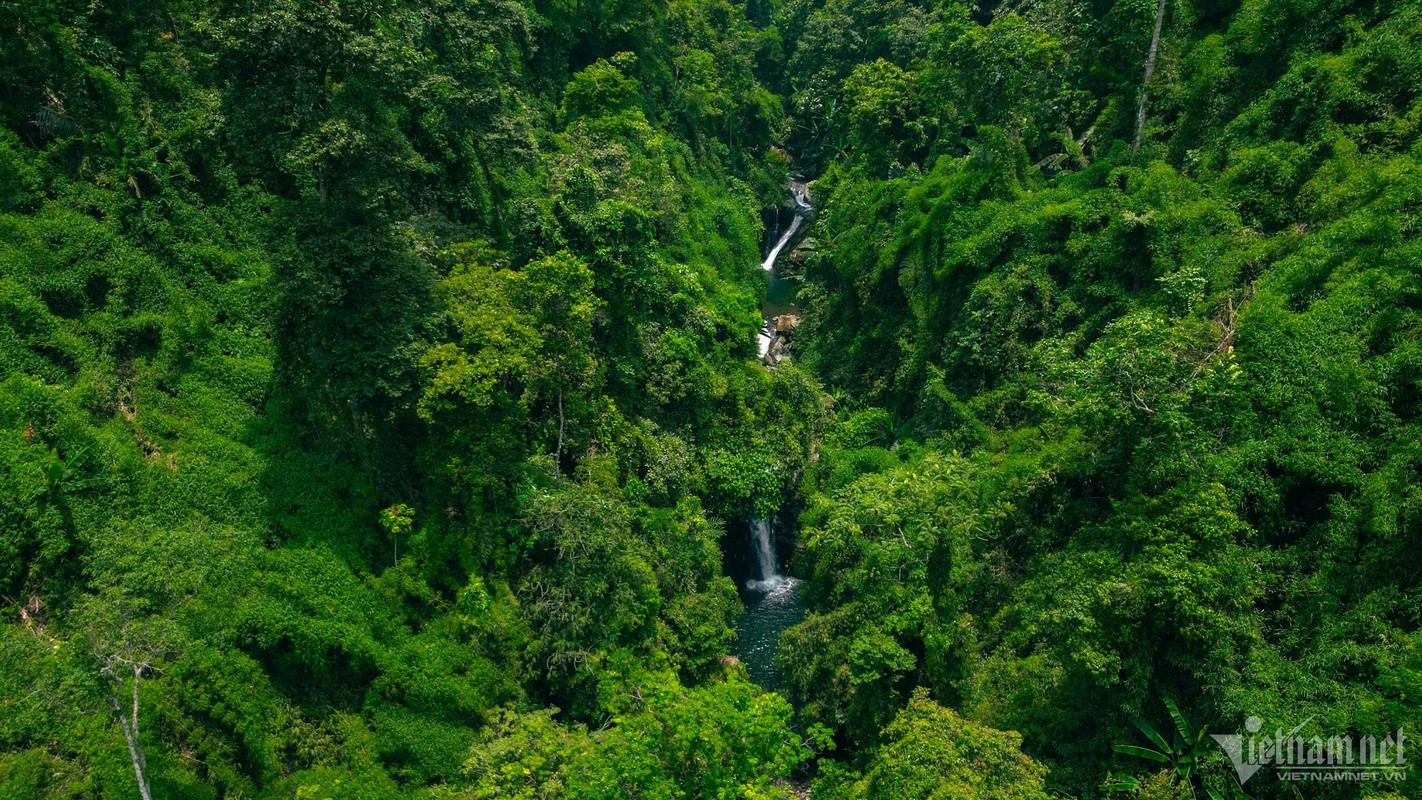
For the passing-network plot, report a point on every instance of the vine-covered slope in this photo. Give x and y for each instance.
(378, 394)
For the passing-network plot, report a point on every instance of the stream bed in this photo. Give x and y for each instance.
(771, 598)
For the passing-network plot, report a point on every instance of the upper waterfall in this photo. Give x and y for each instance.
(802, 210)
(779, 311)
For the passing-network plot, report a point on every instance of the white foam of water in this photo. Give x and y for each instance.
(770, 581)
(769, 262)
(764, 553)
(773, 587)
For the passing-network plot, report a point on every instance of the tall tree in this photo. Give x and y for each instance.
(1149, 73)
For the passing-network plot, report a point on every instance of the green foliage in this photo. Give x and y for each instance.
(1182, 753)
(722, 740)
(368, 369)
(376, 379)
(1173, 380)
(931, 752)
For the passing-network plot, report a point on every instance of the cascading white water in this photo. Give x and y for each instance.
(769, 263)
(802, 207)
(767, 565)
(764, 553)
(772, 601)
(766, 337)
(770, 579)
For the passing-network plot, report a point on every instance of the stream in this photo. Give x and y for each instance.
(771, 598)
(778, 309)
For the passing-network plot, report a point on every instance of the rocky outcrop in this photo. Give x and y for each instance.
(782, 334)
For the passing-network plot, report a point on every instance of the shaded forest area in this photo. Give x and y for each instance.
(379, 392)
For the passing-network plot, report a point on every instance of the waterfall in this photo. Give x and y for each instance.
(785, 237)
(767, 566)
(770, 580)
(802, 210)
(798, 191)
(764, 553)
(801, 214)
(772, 600)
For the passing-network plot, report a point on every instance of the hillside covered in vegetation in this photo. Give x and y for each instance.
(380, 405)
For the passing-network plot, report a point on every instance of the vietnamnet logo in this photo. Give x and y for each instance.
(1295, 757)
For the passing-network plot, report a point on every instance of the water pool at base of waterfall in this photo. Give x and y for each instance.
(771, 602)
(770, 607)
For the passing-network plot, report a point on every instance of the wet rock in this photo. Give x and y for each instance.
(781, 330)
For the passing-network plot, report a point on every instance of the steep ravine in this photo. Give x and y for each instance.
(772, 600)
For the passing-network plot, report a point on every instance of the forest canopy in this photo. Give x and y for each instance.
(381, 416)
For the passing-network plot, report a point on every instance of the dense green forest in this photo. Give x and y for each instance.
(379, 401)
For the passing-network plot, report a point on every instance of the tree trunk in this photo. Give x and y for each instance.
(1149, 72)
(130, 735)
(558, 453)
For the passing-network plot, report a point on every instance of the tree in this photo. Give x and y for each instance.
(931, 753)
(724, 739)
(1181, 753)
(1149, 73)
(557, 292)
(127, 647)
(132, 623)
